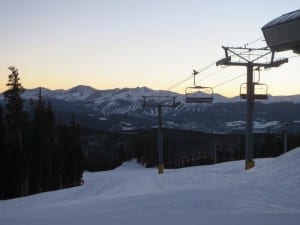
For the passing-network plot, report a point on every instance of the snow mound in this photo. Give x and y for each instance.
(130, 165)
(291, 155)
(284, 168)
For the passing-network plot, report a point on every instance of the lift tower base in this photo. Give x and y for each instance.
(249, 164)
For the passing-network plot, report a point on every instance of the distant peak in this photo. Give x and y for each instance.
(82, 87)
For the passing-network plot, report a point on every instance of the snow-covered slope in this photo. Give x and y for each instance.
(131, 194)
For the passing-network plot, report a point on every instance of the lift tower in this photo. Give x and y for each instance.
(160, 102)
(250, 58)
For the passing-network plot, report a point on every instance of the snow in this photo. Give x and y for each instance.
(238, 123)
(263, 125)
(131, 194)
(256, 124)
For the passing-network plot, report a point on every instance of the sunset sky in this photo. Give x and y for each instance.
(129, 43)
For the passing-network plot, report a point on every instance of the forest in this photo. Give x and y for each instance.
(37, 153)
(105, 150)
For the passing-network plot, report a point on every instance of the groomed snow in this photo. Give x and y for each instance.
(131, 194)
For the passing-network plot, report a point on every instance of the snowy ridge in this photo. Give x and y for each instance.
(256, 124)
(218, 194)
(291, 98)
(87, 93)
(126, 104)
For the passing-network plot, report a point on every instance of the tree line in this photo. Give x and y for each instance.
(37, 153)
(181, 148)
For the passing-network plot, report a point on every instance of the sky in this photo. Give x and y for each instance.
(108, 44)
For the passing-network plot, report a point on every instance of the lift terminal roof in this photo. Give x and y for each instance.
(283, 33)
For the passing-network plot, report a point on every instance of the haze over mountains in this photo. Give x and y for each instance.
(118, 109)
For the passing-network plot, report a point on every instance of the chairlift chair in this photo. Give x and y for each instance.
(260, 91)
(199, 94)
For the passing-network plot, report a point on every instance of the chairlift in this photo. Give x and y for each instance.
(199, 94)
(260, 91)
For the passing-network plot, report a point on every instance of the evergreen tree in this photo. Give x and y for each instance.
(16, 120)
(68, 155)
(36, 155)
(50, 132)
(60, 157)
(3, 161)
(2, 128)
(43, 146)
(14, 106)
(38, 146)
(76, 152)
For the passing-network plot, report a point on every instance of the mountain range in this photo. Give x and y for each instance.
(122, 109)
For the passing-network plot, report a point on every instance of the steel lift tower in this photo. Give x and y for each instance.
(250, 58)
(160, 102)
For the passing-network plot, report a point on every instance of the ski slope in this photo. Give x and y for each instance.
(131, 194)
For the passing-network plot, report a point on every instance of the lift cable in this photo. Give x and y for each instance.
(256, 40)
(208, 76)
(207, 67)
(225, 82)
(213, 73)
(192, 75)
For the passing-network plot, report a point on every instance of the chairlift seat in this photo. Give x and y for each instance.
(198, 94)
(198, 100)
(260, 91)
(256, 96)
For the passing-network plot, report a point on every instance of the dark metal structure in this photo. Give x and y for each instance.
(160, 102)
(283, 33)
(250, 58)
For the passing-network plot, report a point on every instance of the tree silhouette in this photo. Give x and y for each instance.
(16, 120)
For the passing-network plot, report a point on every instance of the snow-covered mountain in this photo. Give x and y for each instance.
(89, 94)
(109, 109)
(131, 194)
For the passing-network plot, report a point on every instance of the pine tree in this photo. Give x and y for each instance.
(16, 121)
(14, 106)
(43, 146)
(60, 157)
(68, 155)
(50, 133)
(38, 146)
(76, 151)
(2, 128)
(3, 161)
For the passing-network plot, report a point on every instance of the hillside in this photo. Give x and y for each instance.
(131, 194)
